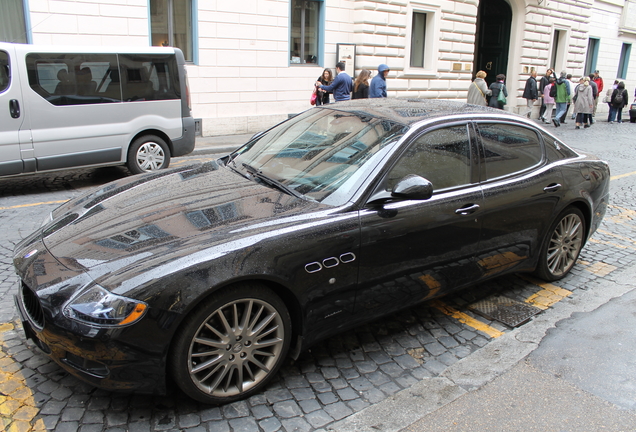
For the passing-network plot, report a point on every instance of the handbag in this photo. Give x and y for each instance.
(501, 97)
(313, 98)
(482, 93)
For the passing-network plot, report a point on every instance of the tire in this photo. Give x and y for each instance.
(562, 245)
(219, 356)
(148, 153)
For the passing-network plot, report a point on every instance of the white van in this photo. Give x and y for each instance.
(71, 107)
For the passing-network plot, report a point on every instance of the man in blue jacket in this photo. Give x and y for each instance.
(341, 86)
(378, 83)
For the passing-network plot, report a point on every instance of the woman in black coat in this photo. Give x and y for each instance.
(496, 87)
(361, 85)
(322, 97)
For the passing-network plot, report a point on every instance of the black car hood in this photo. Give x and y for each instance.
(144, 218)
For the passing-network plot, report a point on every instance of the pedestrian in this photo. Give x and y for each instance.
(561, 95)
(594, 90)
(361, 85)
(573, 85)
(341, 85)
(378, 83)
(608, 100)
(478, 90)
(545, 80)
(496, 88)
(599, 89)
(584, 103)
(619, 101)
(567, 108)
(322, 97)
(531, 92)
(549, 101)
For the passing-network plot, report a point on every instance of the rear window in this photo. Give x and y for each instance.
(5, 73)
(76, 79)
(509, 149)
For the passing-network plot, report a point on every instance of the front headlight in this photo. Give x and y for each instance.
(99, 306)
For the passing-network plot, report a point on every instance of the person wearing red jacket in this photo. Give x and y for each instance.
(599, 84)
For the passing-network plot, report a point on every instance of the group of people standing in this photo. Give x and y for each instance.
(344, 88)
(584, 96)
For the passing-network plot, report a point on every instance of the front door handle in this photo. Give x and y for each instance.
(14, 108)
(552, 188)
(467, 209)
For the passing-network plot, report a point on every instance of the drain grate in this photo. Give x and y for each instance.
(505, 310)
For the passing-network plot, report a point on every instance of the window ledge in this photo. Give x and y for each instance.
(414, 73)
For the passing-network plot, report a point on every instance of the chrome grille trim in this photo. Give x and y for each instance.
(31, 304)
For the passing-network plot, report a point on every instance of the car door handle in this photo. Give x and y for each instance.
(552, 188)
(14, 108)
(467, 209)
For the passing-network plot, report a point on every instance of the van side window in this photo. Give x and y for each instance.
(149, 77)
(73, 79)
(5, 73)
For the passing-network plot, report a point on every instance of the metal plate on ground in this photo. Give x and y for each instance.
(505, 310)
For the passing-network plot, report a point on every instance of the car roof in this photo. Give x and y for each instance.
(409, 111)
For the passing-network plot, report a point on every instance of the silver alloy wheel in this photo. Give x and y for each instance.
(150, 156)
(236, 347)
(565, 244)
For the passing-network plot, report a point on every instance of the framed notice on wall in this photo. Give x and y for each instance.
(347, 53)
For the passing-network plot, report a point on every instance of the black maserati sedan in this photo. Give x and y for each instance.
(209, 276)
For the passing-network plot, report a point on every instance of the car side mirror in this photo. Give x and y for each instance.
(413, 187)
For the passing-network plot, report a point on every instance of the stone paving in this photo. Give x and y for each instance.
(331, 381)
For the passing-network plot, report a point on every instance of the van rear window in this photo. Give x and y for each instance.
(5, 73)
(77, 79)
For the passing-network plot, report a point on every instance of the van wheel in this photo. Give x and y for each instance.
(148, 153)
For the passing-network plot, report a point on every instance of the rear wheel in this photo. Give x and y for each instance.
(148, 153)
(231, 345)
(563, 245)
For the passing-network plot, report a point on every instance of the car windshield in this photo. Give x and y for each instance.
(322, 154)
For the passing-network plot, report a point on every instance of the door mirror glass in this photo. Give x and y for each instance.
(413, 187)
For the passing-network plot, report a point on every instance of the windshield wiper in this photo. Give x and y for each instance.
(270, 181)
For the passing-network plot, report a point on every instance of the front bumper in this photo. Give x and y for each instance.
(107, 358)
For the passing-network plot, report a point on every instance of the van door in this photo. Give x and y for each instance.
(11, 114)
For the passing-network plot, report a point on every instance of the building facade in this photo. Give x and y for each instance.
(254, 62)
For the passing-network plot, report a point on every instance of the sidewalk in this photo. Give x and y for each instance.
(219, 144)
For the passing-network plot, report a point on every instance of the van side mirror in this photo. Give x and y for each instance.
(413, 187)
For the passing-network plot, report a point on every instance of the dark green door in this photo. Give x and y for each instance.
(493, 38)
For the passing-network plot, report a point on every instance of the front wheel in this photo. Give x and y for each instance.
(232, 345)
(563, 245)
(148, 153)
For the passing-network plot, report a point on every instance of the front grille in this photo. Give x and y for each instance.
(32, 306)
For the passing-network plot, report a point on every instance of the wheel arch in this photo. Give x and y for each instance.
(586, 209)
(155, 132)
(292, 304)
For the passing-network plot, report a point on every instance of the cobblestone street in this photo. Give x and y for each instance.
(335, 379)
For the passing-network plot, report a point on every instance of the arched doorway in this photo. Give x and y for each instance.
(492, 45)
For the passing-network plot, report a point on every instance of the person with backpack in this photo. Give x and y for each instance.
(619, 101)
(497, 87)
(561, 91)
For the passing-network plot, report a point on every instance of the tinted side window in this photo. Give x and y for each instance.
(509, 149)
(74, 79)
(149, 77)
(5, 72)
(441, 156)
(555, 149)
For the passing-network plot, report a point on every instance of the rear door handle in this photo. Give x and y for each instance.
(467, 209)
(14, 108)
(552, 188)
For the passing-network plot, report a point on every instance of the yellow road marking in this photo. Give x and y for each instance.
(601, 269)
(611, 244)
(616, 177)
(466, 319)
(627, 239)
(549, 295)
(33, 204)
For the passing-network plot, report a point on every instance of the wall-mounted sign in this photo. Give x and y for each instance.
(347, 53)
